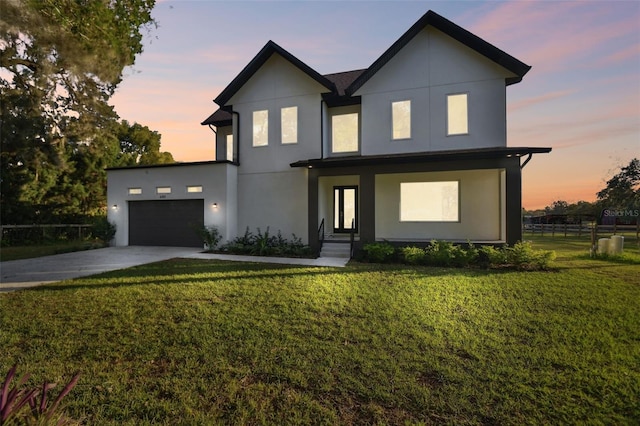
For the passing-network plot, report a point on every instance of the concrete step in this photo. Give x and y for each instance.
(341, 250)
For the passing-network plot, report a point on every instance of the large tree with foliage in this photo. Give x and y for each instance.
(60, 62)
(623, 189)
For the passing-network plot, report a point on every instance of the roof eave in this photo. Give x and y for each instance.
(421, 157)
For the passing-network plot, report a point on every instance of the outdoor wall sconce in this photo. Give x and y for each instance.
(115, 207)
(215, 205)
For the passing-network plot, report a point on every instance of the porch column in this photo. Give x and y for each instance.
(312, 197)
(367, 207)
(514, 201)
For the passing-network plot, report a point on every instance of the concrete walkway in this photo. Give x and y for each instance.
(19, 274)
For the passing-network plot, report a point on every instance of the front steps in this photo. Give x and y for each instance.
(331, 249)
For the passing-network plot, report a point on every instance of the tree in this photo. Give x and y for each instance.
(557, 207)
(623, 189)
(60, 62)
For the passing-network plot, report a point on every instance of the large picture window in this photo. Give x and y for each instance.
(401, 119)
(429, 201)
(289, 124)
(344, 133)
(261, 128)
(457, 115)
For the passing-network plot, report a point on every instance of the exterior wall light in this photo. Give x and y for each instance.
(115, 207)
(215, 205)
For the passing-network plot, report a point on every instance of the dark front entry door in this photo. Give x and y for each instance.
(345, 209)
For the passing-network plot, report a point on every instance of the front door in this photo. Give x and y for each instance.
(345, 209)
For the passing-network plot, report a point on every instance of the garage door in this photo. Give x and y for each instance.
(165, 223)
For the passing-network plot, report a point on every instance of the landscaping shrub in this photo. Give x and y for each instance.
(413, 255)
(264, 244)
(103, 230)
(379, 252)
(210, 236)
(521, 256)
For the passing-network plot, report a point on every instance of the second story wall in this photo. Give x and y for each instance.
(442, 94)
(278, 120)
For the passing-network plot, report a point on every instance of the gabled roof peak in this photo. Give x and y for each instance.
(454, 31)
(265, 53)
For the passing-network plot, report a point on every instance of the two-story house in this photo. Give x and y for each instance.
(413, 148)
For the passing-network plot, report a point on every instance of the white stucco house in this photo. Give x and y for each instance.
(412, 148)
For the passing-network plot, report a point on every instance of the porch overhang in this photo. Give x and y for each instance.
(420, 157)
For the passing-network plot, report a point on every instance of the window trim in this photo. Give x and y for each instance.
(447, 124)
(333, 116)
(393, 121)
(266, 131)
(414, 220)
(282, 126)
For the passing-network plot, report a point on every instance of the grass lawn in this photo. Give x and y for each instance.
(28, 252)
(212, 342)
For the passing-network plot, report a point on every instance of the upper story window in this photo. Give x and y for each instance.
(344, 133)
(289, 124)
(163, 190)
(457, 115)
(401, 119)
(134, 191)
(229, 141)
(194, 188)
(261, 128)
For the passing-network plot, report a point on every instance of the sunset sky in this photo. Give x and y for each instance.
(582, 96)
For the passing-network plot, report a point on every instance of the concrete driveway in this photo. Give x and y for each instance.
(19, 274)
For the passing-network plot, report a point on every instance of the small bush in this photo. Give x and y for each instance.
(103, 230)
(264, 244)
(210, 236)
(521, 256)
(413, 255)
(379, 252)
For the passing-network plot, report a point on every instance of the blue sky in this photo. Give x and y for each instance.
(582, 96)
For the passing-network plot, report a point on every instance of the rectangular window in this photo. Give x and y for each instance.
(230, 147)
(457, 115)
(163, 190)
(261, 128)
(429, 201)
(289, 124)
(401, 119)
(344, 133)
(135, 191)
(194, 188)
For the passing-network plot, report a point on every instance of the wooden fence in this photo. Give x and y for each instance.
(43, 231)
(565, 229)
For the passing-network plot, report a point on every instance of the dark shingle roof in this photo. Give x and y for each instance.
(342, 80)
(219, 118)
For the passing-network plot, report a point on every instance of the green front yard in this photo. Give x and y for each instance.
(211, 342)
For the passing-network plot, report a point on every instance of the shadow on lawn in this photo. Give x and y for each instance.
(190, 272)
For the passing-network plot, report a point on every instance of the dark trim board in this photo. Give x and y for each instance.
(165, 222)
